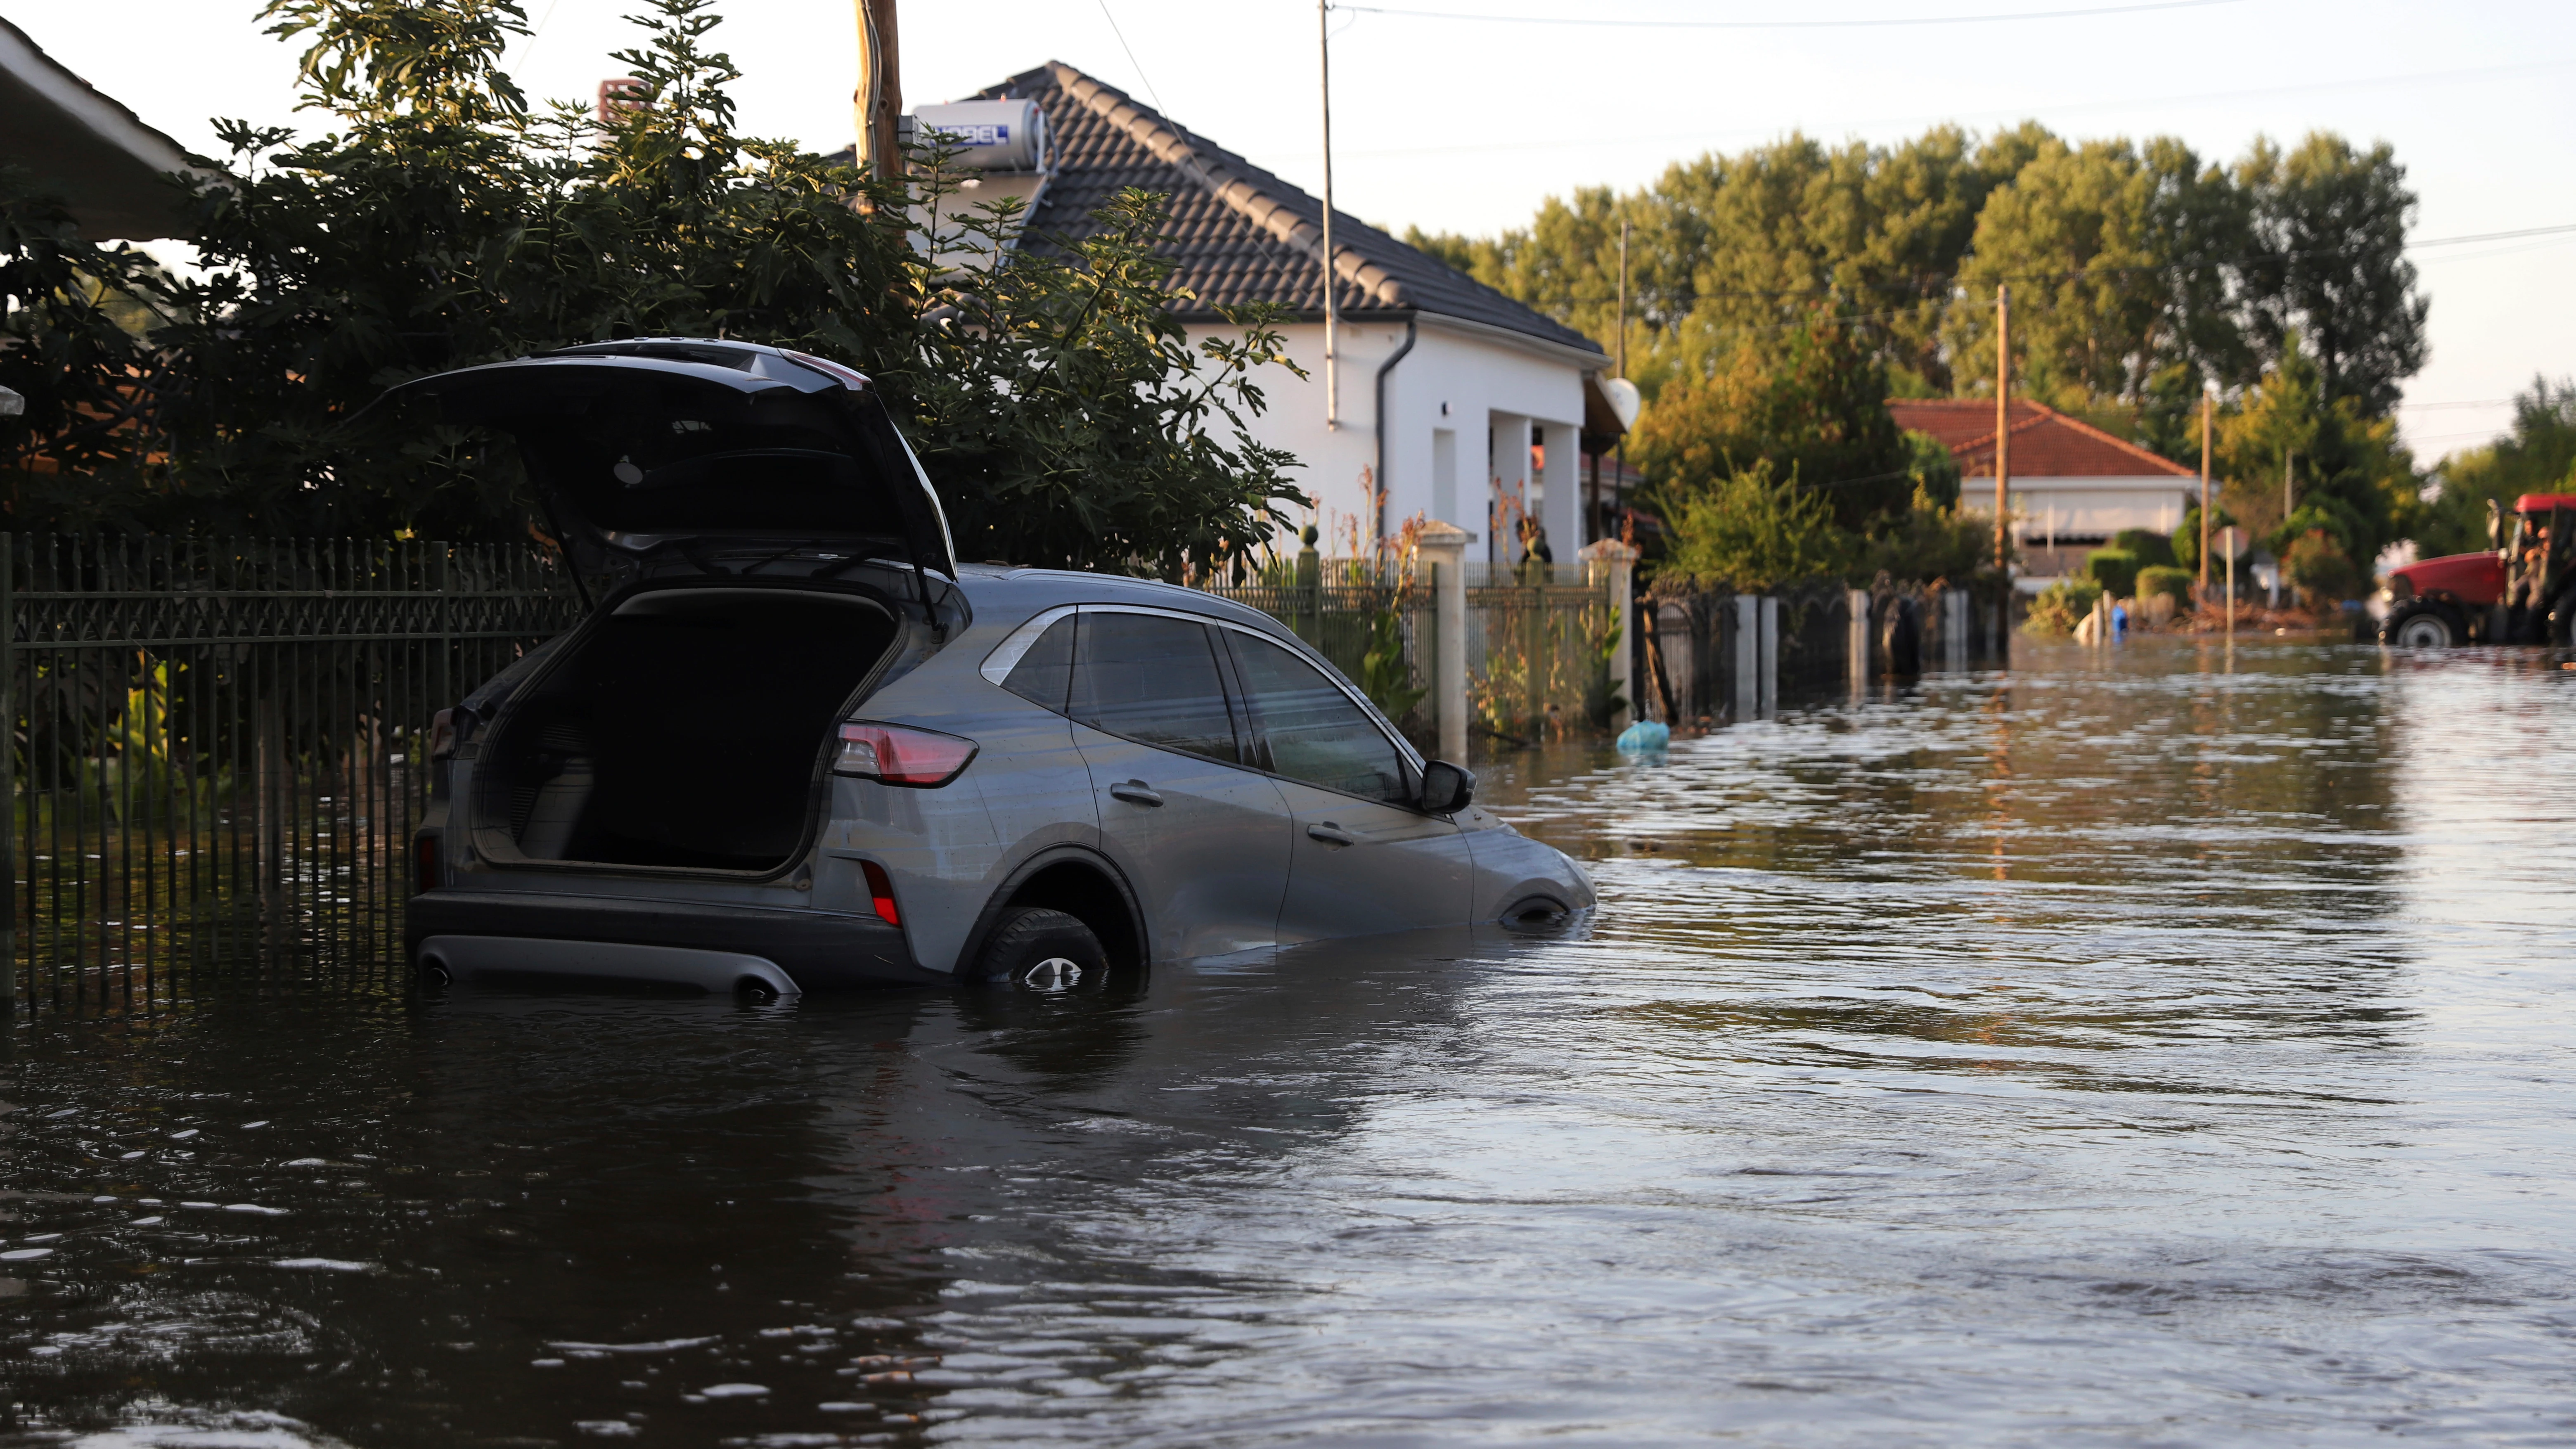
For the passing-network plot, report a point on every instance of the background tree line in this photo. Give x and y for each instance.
(441, 220)
(1831, 278)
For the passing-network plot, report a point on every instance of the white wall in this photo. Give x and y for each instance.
(1453, 382)
(2085, 507)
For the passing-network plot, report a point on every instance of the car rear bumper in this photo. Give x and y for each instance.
(819, 950)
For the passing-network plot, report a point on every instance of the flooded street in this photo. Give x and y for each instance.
(2119, 1050)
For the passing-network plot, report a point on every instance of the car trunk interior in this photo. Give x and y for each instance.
(685, 730)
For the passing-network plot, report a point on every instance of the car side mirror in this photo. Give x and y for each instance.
(2495, 524)
(1447, 788)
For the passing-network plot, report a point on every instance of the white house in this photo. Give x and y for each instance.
(1447, 396)
(2072, 486)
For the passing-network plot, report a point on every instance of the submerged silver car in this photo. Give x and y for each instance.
(798, 746)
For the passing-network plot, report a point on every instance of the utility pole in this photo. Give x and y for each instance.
(1623, 296)
(1619, 455)
(2289, 457)
(2204, 492)
(1332, 311)
(2003, 425)
(879, 98)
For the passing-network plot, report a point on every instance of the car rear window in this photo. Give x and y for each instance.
(1154, 680)
(1044, 675)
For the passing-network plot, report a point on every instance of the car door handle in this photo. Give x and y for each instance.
(1331, 834)
(1136, 792)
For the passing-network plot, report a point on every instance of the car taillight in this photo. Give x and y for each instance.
(442, 734)
(424, 852)
(881, 892)
(899, 756)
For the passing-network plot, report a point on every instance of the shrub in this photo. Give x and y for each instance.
(1931, 540)
(2154, 550)
(2061, 606)
(1747, 532)
(2115, 569)
(2186, 539)
(2319, 569)
(2162, 579)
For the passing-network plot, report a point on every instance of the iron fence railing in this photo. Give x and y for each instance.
(1537, 640)
(217, 746)
(1375, 626)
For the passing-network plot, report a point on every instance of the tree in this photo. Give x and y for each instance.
(1750, 530)
(2349, 479)
(2538, 455)
(2328, 262)
(2116, 259)
(1726, 249)
(1812, 405)
(441, 223)
(72, 345)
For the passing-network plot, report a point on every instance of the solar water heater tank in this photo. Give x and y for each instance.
(996, 135)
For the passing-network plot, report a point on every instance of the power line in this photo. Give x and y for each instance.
(1131, 58)
(2448, 241)
(2430, 77)
(1880, 24)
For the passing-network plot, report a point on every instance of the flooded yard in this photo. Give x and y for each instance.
(2149, 1047)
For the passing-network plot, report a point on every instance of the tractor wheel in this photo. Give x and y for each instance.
(2420, 625)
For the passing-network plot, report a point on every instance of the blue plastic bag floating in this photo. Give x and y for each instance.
(1645, 737)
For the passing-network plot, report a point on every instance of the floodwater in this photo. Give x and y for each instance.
(2119, 1051)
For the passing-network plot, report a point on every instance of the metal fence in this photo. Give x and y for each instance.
(216, 747)
(1374, 625)
(1699, 667)
(1538, 651)
(1537, 640)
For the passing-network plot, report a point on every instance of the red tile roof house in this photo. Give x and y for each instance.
(2072, 486)
(1444, 385)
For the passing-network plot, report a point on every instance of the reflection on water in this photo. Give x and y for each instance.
(2119, 1049)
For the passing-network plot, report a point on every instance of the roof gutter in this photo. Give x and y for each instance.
(1589, 357)
(1411, 334)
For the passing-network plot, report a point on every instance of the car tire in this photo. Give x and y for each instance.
(2420, 626)
(1046, 952)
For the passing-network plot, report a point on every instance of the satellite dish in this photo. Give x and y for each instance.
(1624, 400)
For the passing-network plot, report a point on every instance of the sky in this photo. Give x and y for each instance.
(1464, 115)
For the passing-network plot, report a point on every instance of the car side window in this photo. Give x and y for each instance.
(1153, 680)
(1313, 730)
(1044, 675)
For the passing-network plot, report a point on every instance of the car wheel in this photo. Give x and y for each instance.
(1047, 952)
(2419, 626)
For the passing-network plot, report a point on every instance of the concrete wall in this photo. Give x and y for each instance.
(2085, 507)
(1453, 404)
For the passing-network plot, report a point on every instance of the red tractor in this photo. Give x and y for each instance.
(2522, 591)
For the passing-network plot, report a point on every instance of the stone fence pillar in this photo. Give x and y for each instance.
(1767, 681)
(1748, 657)
(1856, 643)
(1617, 562)
(1444, 548)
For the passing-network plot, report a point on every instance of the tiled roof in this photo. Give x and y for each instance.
(1239, 233)
(2045, 442)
